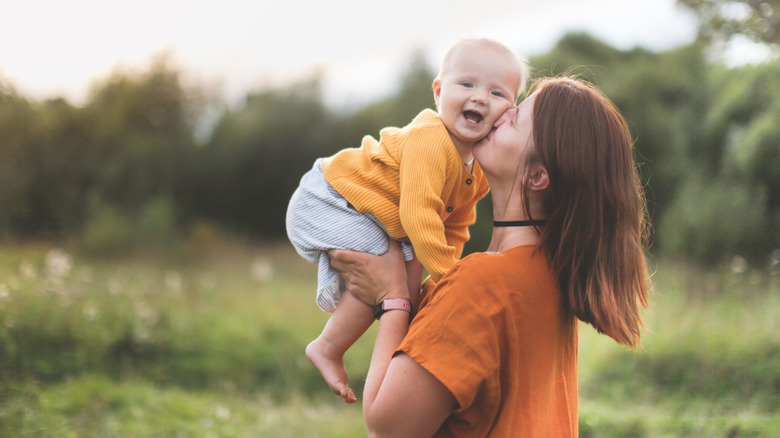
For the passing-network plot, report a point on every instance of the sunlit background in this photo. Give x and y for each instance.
(148, 151)
(57, 48)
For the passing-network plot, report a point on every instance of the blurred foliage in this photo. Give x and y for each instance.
(108, 232)
(695, 225)
(706, 135)
(247, 172)
(757, 20)
(141, 131)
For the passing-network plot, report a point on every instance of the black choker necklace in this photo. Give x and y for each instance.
(533, 223)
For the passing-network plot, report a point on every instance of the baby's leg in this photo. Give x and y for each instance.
(349, 321)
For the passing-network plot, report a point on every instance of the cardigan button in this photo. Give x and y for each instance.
(449, 209)
(468, 182)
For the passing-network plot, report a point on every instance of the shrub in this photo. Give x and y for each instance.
(111, 231)
(710, 221)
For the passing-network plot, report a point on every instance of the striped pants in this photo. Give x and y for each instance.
(320, 219)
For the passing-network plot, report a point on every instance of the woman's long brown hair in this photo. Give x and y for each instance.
(595, 208)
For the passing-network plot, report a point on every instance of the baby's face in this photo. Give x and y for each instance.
(478, 85)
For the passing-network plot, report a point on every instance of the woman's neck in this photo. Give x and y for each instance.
(506, 238)
(507, 206)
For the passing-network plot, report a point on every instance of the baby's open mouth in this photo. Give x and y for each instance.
(472, 116)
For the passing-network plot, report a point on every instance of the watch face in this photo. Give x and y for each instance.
(379, 309)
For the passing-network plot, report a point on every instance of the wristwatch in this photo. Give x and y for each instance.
(392, 304)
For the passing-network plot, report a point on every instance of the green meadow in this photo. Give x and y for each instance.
(207, 340)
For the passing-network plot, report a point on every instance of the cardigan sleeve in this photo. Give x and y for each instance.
(456, 227)
(426, 160)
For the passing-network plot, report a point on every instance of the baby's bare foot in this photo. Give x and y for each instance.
(331, 366)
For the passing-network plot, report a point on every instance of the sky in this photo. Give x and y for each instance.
(56, 48)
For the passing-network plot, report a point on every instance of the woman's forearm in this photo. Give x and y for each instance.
(393, 326)
(401, 399)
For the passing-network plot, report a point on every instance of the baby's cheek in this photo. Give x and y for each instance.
(499, 110)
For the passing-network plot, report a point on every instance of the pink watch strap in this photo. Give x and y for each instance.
(397, 304)
(392, 304)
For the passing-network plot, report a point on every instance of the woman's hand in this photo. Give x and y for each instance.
(372, 279)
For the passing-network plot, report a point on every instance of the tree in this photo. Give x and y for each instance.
(721, 19)
(17, 128)
(141, 125)
(42, 172)
(245, 175)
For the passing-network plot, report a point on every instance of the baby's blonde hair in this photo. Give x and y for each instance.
(523, 69)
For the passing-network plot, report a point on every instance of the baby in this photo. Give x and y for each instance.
(418, 185)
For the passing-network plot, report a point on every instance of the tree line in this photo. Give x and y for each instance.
(133, 161)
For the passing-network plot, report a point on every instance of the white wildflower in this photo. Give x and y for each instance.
(142, 335)
(223, 412)
(739, 265)
(774, 262)
(91, 312)
(774, 257)
(261, 269)
(146, 314)
(114, 286)
(173, 280)
(58, 263)
(27, 269)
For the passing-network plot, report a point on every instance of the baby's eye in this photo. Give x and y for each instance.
(467, 84)
(497, 94)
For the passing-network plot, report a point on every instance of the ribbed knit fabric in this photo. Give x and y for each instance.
(414, 182)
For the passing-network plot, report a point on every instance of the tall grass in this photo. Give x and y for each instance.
(208, 340)
(709, 364)
(240, 317)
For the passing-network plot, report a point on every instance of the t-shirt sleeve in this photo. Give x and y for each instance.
(454, 336)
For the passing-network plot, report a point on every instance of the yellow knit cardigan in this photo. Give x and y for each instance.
(414, 181)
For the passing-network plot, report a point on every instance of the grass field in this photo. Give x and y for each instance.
(207, 341)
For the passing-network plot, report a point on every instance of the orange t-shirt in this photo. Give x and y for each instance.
(496, 333)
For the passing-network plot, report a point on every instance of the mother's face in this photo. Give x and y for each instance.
(502, 151)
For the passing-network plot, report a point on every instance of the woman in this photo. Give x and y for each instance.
(493, 349)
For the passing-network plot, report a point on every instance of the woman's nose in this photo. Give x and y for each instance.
(508, 114)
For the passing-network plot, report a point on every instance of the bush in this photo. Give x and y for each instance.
(111, 231)
(108, 232)
(711, 221)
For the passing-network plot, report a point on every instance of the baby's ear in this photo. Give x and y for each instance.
(436, 90)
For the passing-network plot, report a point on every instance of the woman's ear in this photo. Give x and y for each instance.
(540, 179)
